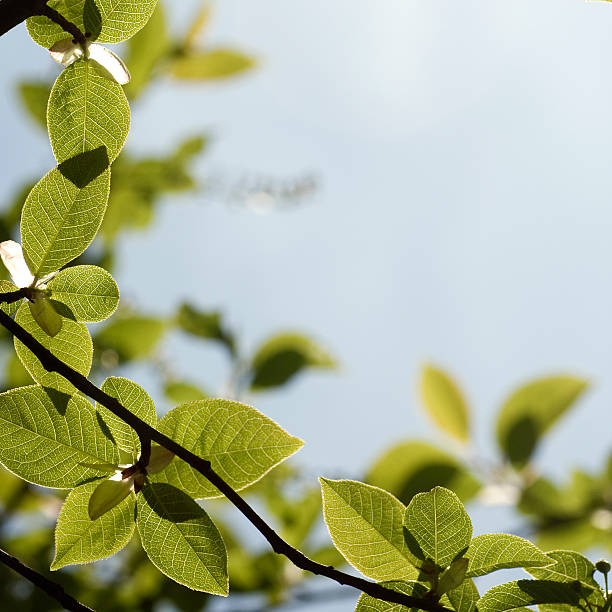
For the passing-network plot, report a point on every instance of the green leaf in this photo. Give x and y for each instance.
(78, 539)
(34, 97)
(413, 466)
(86, 111)
(521, 593)
(121, 19)
(366, 603)
(6, 287)
(453, 577)
(63, 212)
(90, 293)
(51, 439)
(445, 403)
(465, 597)
(439, 525)
(365, 524)
(145, 51)
(82, 13)
(568, 566)
(181, 540)
(204, 325)
(531, 410)
(132, 336)
(213, 64)
(133, 397)
(493, 551)
(72, 345)
(241, 443)
(45, 315)
(180, 392)
(110, 21)
(283, 356)
(159, 459)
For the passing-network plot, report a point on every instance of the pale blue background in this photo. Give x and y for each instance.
(462, 215)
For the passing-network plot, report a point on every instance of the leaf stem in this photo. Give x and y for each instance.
(52, 364)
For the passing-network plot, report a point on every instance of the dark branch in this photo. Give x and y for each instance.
(14, 296)
(51, 363)
(54, 590)
(13, 12)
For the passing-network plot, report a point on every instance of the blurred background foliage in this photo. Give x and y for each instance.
(574, 514)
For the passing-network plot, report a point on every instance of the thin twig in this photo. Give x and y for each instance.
(53, 589)
(52, 364)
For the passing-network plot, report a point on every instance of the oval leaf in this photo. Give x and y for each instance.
(121, 19)
(493, 551)
(72, 345)
(365, 524)
(51, 439)
(63, 212)
(465, 597)
(241, 443)
(107, 495)
(283, 356)
(568, 566)
(181, 540)
(86, 111)
(366, 603)
(79, 539)
(45, 315)
(439, 526)
(133, 397)
(531, 410)
(444, 402)
(90, 293)
(521, 593)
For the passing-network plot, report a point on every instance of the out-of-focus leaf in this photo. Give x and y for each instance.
(204, 325)
(241, 443)
(365, 524)
(79, 539)
(531, 411)
(145, 50)
(197, 25)
(413, 466)
(181, 392)
(34, 96)
(445, 403)
(521, 593)
(213, 64)
(283, 356)
(131, 336)
(439, 526)
(494, 551)
(181, 540)
(16, 374)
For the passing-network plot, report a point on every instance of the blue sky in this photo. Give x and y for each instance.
(462, 214)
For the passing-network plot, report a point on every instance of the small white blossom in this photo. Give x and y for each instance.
(67, 52)
(14, 261)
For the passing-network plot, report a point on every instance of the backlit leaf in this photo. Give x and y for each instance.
(181, 540)
(7, 287)
(78, 539)
(123, 18)
(241, 443)
(493, 551)
(445, 402)
(86, 111)
(45, 315)
(90, 293)
(72, 345)
(531, 410)
(366, 603)
(63, 212)
(51, 439)
(521, 593)
(440, 526)
(133, 397)
(568, 566)
(465, 597)
(365, 524)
